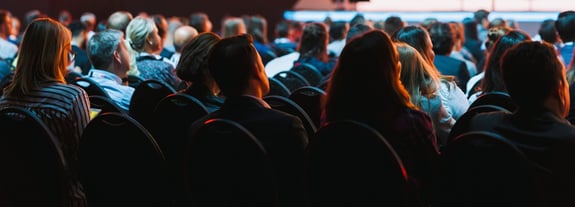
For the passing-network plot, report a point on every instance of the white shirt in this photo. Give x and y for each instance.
(281, 63)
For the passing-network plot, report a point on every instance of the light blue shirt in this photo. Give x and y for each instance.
(112, 84)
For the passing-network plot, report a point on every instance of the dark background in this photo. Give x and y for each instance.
(216, 9)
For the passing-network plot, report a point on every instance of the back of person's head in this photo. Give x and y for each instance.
(458, 33)
(162, 25)
(418, 77)
(442, 38)
(532, 74)
(119, 20)
(418, 38)
(428, 22)
(138, 31)
(547, 31)
(77, 28)
(470, 29)
(498, 22)
(338, 30)
(102, 46)
(368, 73)
(314, 41)
(193, 64)
(257, 27)
(480, 15)
(565, 26)
(392, 24)
(182, 35)
(492, 79)
(357, 19)
(43, 55)
(5, 23)
(201, 22)
(233, 62)
(232, 26)
(89, 19)
(282, 29)
(357, 30)
(32, 15)
(65, 17)
(493, 34)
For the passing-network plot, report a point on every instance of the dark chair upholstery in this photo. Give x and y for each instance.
(134, 81)
(145, 98)
(348, 163)
(72, 76)
(121, 164)
(33, 166)
(309, 72)
(484, 169)
(173, 115)
(91, 87)
(291, 80)
(495, 98)
(277, 88)
(462, 124)
(228, 166)
(105, 104)
(310, 99)
(289, 106)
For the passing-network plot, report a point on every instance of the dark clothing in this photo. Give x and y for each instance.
(204, 95)
(454, 67)
(324, 67)
(81, 60)
(283, 136)
(546, 140)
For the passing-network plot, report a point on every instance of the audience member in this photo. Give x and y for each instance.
(173, 24)
(443, 41)
(193, 70)
(257, 27)
(162, 25)
(79, 39)
(535, 80)
(8, 50)
(39, 85)
(232, 26)
(313, 48)
(182, 35)
(392, 24)
(472, 42)
(357, 30)
(368, 72)
(337, 35)
(481, 18)
(459, 51)
(284, 42)
(565, 26)
(119, 20)
(89, 19)
(142, 34)
(65, 17)
(238, 70)
(201, 22)
(111, 59)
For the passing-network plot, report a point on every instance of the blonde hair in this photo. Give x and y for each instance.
(138, 31)
(419, 78)
(43, 56)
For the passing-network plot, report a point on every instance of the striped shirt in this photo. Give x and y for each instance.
(65, 109)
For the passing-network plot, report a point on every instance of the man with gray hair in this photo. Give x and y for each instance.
(111, 61)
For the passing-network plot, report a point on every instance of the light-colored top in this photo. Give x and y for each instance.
(472, 81)
(7, 49)
(281, 63)
(112, 84)
(336, 47)
(453, 99)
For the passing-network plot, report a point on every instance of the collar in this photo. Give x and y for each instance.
(98, 73)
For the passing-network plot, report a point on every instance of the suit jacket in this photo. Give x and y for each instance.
(546, 140)
(283, 136)
(451, 66)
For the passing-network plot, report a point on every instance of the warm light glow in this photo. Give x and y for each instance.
(465, 5)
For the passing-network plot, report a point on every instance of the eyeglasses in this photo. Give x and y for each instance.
(71, 55)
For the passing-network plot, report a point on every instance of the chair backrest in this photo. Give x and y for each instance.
(228, 166)
(91, 87)
(145, 98)
(348, 163)
(121, 164)
(484, 169)
(310, 99)
(497, 98)
(172, 117)
(33, 165)
(462, 124)
(104, 104)
(289, 106)
(134, 81)
(291, 80)
(277, 88)
(309, 72)
(71, 76)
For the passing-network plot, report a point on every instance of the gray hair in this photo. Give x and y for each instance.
(138, 30)
(101, 47)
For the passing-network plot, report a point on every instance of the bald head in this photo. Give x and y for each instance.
(183, 35)
(119, 20)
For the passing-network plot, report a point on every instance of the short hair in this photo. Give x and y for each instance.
(480, 14)
(231, 63)
(5, 16)
(64, 16)
(232, 26)
(138, 30)
(53, 39)
(547, 31)
(101, 47)
(392, 24)
(565, 26)
(198, 20)
(357, 30)
(119, 20)
(357, 19)
(77, 28)
(257, 26)
(442, 37)
(162, 25)
(338, 30)
(528, 63)
(193, 64)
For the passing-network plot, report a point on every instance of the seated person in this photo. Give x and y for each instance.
(111, 61)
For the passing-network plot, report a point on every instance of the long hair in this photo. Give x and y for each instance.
(193, 64)
(419, 78)
(138, 31)
(43, 56)
(314, 40)
(365, 83)
(418, 38)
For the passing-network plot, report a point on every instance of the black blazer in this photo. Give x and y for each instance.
(451, 66)
(283, 136)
